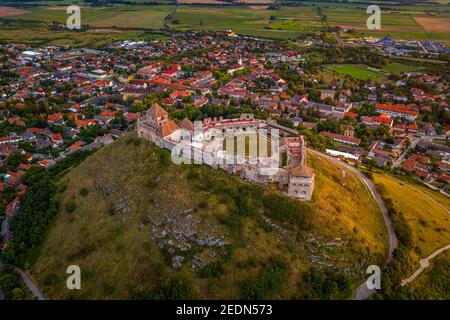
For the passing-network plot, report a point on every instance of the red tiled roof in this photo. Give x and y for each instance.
(336, 136)
(399, 108)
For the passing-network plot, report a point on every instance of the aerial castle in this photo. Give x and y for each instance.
(204, 143)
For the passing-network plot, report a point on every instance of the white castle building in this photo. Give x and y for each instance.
(207, 142)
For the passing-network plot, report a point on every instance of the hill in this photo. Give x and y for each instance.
(141, 227)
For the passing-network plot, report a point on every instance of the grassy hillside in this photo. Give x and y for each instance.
(425, 211)
(433, 282)
(355, 71)
(142, 227)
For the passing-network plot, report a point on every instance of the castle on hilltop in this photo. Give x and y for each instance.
(204, 143)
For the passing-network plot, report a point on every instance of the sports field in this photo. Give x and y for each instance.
(425, 212)
(355, 71)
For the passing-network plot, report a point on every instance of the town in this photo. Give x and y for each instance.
(378, 107)
(57, 100)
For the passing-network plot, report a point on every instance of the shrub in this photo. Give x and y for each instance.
(70, 206)
(212, 270)
(326, 284)
(287, 210)
(269, 280)
(84, 192)
(173, 289)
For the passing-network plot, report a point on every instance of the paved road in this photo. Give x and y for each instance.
(362, 292)
(424, 263)
(26, 279)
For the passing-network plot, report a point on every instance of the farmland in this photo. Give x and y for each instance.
(255, 18)
(288, 22)
(124, 16)
(355, 71)
(397, 68)
(402, 22)
(36, 34)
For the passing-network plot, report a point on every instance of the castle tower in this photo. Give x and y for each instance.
(301, 182)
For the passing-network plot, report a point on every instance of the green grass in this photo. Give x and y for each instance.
(355, 71)
(118, 259)
(397, 68)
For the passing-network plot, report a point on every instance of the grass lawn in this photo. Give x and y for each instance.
(428, 220)
(355, 71)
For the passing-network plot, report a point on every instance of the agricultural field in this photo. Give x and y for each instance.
(425, 211)
(288, 22)
(36, 34)
(201, 2)
(434, 25)
(355, 71)
(124, 16)
(401, 22)
(9, 11)
(255, 19)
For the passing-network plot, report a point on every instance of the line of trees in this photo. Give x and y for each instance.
(38, 208)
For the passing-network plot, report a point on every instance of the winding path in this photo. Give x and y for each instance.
(363, 292)
(27, 280)
(424, 263)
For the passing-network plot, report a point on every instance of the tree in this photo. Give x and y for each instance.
(15, 158)
(17, 294)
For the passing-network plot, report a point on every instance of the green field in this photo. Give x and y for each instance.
(397, 68)
(282, 23)
(124, 16)
(288, 22)
(355, 71)
(42, 35)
